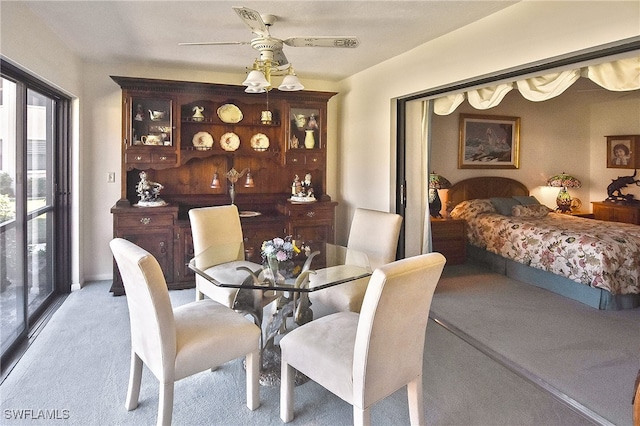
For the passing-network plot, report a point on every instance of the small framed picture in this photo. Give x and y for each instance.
(489, 142)
(622, 152)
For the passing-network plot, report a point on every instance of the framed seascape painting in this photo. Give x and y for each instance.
(489, 142)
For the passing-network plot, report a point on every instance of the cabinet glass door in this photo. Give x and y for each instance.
(151, 122)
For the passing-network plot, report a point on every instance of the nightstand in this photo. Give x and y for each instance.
(449, 237)
(586, 215)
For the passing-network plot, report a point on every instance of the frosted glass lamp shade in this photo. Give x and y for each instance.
(256, 79)
(290, 83)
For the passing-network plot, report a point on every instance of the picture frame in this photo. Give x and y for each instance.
(623, 152)
(489, 142)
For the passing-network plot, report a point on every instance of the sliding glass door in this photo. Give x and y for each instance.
(32, 139)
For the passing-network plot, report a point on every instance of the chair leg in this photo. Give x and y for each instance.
(253, 380)
(287, 376)
(135, 378)
(165, 404)
(361, 416)
(199, 294)
(416, 402)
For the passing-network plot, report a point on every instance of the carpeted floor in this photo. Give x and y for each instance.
(591, 356)
(77, 370)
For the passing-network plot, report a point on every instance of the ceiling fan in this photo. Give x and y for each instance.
(272, 58)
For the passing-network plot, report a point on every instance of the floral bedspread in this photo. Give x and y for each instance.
(600, 254)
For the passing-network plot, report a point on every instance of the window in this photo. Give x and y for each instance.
(34, 212)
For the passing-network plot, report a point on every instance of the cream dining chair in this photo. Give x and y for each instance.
(363, 358)
(375, 233)
(177, 343)
(219, 225)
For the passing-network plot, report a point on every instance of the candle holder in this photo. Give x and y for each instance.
(233, 176)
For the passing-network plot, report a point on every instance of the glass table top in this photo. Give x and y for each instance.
(320, 266)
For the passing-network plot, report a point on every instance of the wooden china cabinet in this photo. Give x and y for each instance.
(181, 133)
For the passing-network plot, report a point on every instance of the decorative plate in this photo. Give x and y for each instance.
(260, 142)
(202, 141)
(230, 141)
(229, 113)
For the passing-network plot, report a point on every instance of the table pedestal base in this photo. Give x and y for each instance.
(271, 368)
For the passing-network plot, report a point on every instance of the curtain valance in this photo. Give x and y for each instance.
(620, 75)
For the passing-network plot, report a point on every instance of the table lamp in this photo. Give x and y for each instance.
(563, 181)
(436, 182)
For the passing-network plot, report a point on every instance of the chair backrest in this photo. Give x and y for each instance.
(217, 225)
(391, 330)
(375, 233)
(153, 334)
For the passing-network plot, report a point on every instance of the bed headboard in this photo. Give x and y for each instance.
(484, 187)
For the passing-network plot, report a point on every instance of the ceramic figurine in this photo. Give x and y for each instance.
(197, 115)
(148, 192)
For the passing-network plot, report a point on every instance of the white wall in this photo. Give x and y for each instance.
(566, 133)
(524, 33)
(37, 50)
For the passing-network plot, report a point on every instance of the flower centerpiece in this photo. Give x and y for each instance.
(279, 251)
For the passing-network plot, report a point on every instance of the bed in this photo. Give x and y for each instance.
(592, 261)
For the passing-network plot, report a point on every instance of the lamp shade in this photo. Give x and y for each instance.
(438, 182)
(564, 180)
(290, 83)
(256, 78)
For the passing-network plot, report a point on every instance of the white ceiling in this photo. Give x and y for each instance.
(149, 31)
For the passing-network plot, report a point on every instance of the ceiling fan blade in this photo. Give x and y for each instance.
(322, 41)
(213, 43)
(253, 20)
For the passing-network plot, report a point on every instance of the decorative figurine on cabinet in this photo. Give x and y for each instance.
(197, 113)
(302, 192)
(138, 116)
(614, 190)
(149, 192)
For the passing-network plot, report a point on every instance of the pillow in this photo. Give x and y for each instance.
(532, 210)
(504, 205)
(526, 200)
(469, 209)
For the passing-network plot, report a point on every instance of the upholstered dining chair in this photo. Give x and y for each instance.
(177, 343)
(363, 358)
(219, 225)
(375, 233)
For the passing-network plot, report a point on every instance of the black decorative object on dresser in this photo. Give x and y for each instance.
(189, 138)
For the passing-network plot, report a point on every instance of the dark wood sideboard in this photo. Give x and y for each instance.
(176, 160)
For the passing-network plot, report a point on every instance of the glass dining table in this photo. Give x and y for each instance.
(287, 284)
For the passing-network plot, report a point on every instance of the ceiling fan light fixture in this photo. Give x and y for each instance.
(290, 83)
(256, 79)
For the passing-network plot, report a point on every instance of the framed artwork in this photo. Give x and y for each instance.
(489, 142)
(622, 152)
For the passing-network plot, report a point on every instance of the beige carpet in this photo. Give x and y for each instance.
(77, 368)
(589, 355)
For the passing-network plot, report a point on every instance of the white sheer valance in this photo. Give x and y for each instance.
(620, 75)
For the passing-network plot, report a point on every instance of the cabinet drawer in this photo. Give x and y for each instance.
(448, 229)
(137, 157)
(295, 158)
(311, 214)
(315, 159)
(136, 220)
(164, 158)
